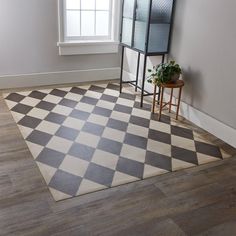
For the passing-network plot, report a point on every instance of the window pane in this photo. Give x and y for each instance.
(102, 23)
(102, 4)
(73, 23)
(87, 23)
(88, 4)
(73, 4)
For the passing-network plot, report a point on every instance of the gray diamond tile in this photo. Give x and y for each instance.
(29, 122)
(184, 155)
(68, 103)
(88, 100)
(159, 136)
(127, 96)
(15, 97)
(158, 160)
(99, 174)
(182, 132)
(110, 146)
(21, 108)
(82, 151)
(81, 115)
(116, 124)
(113, 87)
(37, 95)
(58, 93)
(208, 149)
(102, 111)
(93, 128)
(135, 140)
(67, 133)
(96, 89)
(130, 167)
(165, 119)
(48, 106)
(77, 90)
(51, 157)
(146, 106)
(109, 98)
(136, 120)
(123, 109)
(39, 137)
(65, 182)
(55, 118)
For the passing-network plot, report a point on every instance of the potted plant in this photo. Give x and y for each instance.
(164, 73)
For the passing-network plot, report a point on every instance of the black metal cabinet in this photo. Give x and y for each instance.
(146, 28)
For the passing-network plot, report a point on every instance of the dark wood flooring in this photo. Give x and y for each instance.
(197, 201)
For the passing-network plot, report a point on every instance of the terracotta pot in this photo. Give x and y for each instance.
(174, 78)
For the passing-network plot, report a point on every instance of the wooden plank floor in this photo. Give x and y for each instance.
(197, 201)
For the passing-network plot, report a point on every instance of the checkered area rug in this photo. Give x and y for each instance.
(89, 138)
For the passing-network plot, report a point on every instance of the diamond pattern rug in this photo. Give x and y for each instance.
(89, 138)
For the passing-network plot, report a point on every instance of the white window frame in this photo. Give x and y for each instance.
(93, 44)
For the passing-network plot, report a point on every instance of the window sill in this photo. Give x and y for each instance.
(87, 47)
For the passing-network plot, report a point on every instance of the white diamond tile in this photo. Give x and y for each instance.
(105, 159)
(60, 144)
(88, 139)
(74, 165)
(48, 127)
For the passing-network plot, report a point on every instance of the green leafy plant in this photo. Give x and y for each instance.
(164, 73)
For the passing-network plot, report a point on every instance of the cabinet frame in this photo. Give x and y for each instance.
(144, 52)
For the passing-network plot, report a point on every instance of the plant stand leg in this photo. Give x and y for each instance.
(161, 104)
(180, 93)
(171, 96)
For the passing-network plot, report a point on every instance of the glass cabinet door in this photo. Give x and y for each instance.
(160, 24)
(141, 24)
(127, 22)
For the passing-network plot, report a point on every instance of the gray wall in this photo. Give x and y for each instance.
(28, 41)
(203, 43)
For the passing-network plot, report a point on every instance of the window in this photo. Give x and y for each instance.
(88, 26)
(88, 19)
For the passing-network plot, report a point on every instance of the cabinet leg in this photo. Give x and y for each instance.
(137, 72)
(121, 70)
(144, 77)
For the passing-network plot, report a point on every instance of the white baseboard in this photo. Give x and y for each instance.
(208, 123)
(60, 77)
(202, 120)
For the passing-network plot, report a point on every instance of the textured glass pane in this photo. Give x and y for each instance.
(73, 23)
(142, 10)
(128, 8)
(102, 4)
(127, 31)
(159, 36)
(140, 34)
(73, 4)
(88, 4)
(87, 23)
(161, 11)
(102, 23)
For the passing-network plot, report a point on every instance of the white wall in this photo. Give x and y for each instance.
(28, 41)
(203, 43)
